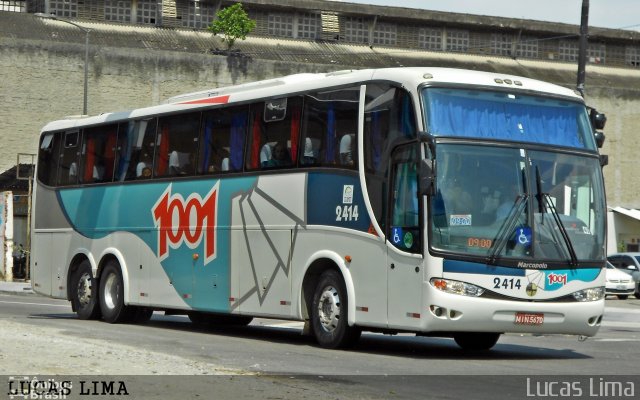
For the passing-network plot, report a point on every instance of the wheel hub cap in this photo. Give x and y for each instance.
(111, 291)
(84, 289)
(329, 309)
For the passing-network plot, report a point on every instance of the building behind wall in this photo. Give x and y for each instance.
(363, 24)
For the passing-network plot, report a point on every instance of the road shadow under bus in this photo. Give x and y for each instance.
(402, 345)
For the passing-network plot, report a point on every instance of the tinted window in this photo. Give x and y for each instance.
(329, 128)
(68, 169)
(136, 141)
(223, 137)
(274, 133)
(98, 154)
(48, 158)
(389, 119)
(177, 145)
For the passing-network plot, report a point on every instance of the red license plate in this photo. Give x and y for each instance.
(529, 319)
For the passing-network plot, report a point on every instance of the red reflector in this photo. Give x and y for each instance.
(363, 309)
(413, 315)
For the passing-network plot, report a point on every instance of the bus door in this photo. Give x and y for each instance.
(404, 241)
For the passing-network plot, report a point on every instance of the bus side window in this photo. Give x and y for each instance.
(136, 140)
(274, 133)
(389, 118)
(177, 145)
(48, 158)
(223, 136)
(68, 163)
(330, 121)
(405, 226)
(98, 154)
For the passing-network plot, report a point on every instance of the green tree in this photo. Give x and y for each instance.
(233, 22)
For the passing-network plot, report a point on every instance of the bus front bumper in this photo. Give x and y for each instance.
(447, 312)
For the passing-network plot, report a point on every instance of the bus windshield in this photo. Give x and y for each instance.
(498, 115)
(498, 203)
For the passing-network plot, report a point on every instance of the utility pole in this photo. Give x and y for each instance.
(582, 52)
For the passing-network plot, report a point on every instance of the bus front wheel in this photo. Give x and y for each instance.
(112, 294)
(329, 313)
(476, 341)
(84, 292)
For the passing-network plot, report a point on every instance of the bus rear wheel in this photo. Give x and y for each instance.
(329, 313)
(112, 295)
(476, 341)
(84, 292)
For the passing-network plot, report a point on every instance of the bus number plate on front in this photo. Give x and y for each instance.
(529, 319)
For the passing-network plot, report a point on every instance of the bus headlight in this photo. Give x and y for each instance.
(456, 287)
(592, 294)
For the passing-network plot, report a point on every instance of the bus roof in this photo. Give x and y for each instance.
(409, 77)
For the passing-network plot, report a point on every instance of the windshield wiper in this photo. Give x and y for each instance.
(507, 227)
(544, 203)
(563, 231)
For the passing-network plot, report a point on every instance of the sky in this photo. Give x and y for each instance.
(615, 14)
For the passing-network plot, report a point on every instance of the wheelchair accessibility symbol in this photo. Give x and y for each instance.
(523, 236)
(397, 235)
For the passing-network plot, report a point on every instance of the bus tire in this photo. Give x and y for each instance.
(84, 292)
(112, 295)
(476, 341)
(329, 313)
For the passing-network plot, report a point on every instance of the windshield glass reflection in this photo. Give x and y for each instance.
(487, 204)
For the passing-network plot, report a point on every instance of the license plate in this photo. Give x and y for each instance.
(621, 287)
(529, 319)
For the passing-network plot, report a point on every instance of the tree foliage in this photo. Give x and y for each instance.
(233, 22)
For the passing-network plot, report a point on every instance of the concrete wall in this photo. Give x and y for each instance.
(41, 80)
(40, 84)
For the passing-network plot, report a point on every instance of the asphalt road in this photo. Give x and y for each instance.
(378, 366)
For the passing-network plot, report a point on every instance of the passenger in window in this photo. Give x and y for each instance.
(73, 172)
(508, 199)
(219, 161)
(346, 150)
(190, 167)
(309, 156)
(174, 163)
(143, 168)
(139, 168)
(98, 172)
(280, 156)
(457, 198)
(265, 155)
(224, 165)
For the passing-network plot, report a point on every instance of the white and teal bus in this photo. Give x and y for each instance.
(433, 201)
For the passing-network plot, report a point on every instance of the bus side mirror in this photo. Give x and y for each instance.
(604, 160)
(599, 138)
(426, 182)
(598, 120)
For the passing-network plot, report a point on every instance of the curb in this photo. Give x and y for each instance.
(19, 289)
